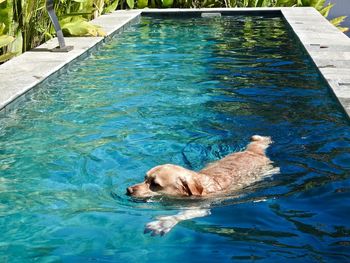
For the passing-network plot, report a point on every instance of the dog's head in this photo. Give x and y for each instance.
(169, 180)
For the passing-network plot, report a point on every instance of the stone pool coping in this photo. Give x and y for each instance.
(326, 45)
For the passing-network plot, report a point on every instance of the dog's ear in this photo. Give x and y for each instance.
(192, 187)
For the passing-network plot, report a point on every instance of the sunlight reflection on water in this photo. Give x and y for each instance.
(187, 92)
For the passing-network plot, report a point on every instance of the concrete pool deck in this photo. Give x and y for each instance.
(326, 45)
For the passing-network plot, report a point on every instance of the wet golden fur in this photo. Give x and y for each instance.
(233, 172)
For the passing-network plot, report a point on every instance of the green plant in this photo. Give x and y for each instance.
(337, 22)
(75, 14)
(25, 24)
(8, 31)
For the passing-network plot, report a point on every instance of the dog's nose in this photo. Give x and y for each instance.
(129, 190)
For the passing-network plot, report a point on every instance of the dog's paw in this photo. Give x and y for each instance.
(161, 226)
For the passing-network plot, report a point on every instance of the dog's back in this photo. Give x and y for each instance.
(242, 168)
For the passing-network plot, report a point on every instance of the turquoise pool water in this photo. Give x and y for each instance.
(183, 91)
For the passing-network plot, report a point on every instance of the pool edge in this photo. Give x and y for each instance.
(328, 48)
(23, 73)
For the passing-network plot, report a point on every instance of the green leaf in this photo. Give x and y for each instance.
(1, 1)
(82, 28)
(2, 28)
(305, 2)
(167, 3)
(343, 29)
(7, 56)
(262, 3)
(338, 20)
(77, 19)
(6, 14)
(112, 7)
(325, 10)
(318, 4)
(65, 20)
(130, 3)
(251, 3)
(142, 3)
(233, 3)
(28, 11)
(286, 2)
(5, 40)
(16, 46)
(99, 4)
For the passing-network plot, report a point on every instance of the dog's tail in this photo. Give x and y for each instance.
(259, 144)
(262, 139)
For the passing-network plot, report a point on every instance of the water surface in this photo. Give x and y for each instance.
(186, 92)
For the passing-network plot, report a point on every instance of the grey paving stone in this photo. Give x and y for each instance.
(345, 102)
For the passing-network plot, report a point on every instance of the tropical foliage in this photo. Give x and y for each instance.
(24, 24)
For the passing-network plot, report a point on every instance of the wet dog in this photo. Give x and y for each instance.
(232, 173)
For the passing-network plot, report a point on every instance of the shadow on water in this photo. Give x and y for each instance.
(272, 241)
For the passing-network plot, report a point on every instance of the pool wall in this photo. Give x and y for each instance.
(326, 45)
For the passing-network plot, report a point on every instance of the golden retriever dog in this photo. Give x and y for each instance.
(232, 173)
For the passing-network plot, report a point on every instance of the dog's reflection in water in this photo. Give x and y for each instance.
(232, 173)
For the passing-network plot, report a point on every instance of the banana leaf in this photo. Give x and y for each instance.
(233, 3)
(2, 28)
(318, 4)
(325, 11)
(338, 20)
(112, 7)
(142, 3)
(262, 3)
(131, 3)
(6, 40)
(16, 46)
(6, 15)
(286, 2)
(6, 56)
(343, 29)
(304, 3)
(167, 3)
(82, 28)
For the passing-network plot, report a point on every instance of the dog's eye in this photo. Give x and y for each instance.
(154, 185)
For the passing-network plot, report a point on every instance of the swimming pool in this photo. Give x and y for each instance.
(185, 91)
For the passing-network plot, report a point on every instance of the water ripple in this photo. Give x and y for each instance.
(184, 91)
